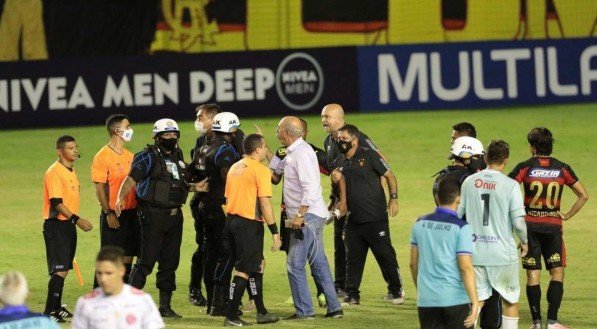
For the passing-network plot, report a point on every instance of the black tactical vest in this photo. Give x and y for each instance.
(204, 161)
(167, 182)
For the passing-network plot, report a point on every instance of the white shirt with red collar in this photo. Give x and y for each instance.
(130, 309)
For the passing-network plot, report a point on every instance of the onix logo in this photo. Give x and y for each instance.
(479, 183)
(299, 81)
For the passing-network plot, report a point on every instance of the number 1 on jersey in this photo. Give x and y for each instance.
(485, 198)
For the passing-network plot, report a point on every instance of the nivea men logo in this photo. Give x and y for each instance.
(543, 173)
(299, 81)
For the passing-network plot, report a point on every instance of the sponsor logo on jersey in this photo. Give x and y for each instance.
(131, 319)
(544, 173)
(485, 238)
(479, 183)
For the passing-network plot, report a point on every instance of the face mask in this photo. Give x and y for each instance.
(344, 147)
(477, 164)
(168, 144)
(127, 135)
(199, 128)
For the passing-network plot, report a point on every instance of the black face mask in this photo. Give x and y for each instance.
(477, 164)
(168, 144)
(343, 146)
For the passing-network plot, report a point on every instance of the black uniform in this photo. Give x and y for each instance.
(161, 191)
(208, 161)
(332, 153)
(367, 224)
(199, 216)
(460, 173)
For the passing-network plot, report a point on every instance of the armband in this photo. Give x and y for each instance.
(74, 218)
(273, 228)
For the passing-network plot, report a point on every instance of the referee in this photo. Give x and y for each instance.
(60, 205)
(248, 192)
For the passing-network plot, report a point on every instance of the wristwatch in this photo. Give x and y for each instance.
(299, 215)
(107, 212)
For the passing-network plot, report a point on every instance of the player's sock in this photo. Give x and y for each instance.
(555, 291)
(54, 298)
(249, 292)
(237, 287)
(256, 285)
(534, 297)
(509, 323)
(128, 267)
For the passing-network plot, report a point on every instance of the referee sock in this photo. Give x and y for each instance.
(54, 298)
(237, 288)
(256, 285)
(555, 292)
(534, 297)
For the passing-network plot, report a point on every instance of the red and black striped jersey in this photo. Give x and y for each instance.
(543, 179)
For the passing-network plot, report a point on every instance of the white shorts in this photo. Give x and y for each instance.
(504, 279)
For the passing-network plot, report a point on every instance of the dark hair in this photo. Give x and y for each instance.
(447, 190)
(210, 109)
(252, 142)
(112, 254)
(497, 152)
(542, 140)
(62, 140)
(465, 129)
(352, 130)
(114, 120)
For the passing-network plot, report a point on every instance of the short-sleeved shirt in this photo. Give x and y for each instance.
(60, 183)
(247, 181)
(543, 179)
(111, 168)
(492, 202)
(364, 193)
(131, 308)
(440, 238)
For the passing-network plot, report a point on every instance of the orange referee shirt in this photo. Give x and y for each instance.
(247, 180)
(111, 168)
(60, 182)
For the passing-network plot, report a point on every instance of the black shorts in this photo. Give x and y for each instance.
(450, 317)
(60, 237)
(127, 237)
(245, 239)
(550, 245)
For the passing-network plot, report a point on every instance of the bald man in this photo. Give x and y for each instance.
(332, 119)
(307, 211)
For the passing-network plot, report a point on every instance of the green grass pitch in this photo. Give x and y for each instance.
(416, 144)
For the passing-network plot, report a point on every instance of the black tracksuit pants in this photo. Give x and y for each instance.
(161, 236)
(358, 239)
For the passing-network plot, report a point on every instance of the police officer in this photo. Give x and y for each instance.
(465, 153)
(212, 160)
(159, 173)
(204, 118)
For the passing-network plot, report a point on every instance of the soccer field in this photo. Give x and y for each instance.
(416, 144)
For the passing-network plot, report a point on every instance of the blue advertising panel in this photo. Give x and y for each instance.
(479, 74)
(259, 83)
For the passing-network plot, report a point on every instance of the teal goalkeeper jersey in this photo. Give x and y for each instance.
(490, 202)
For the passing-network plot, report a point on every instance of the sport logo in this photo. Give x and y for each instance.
(299, 81)
(479, 183)
(543, 173)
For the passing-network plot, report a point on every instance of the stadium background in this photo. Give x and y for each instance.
(95, 40)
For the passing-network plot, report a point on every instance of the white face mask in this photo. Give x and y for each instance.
(199, 127)
(127, 135)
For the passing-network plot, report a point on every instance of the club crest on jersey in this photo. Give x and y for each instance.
(361, 162)
(544, 173)
(479, 183)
